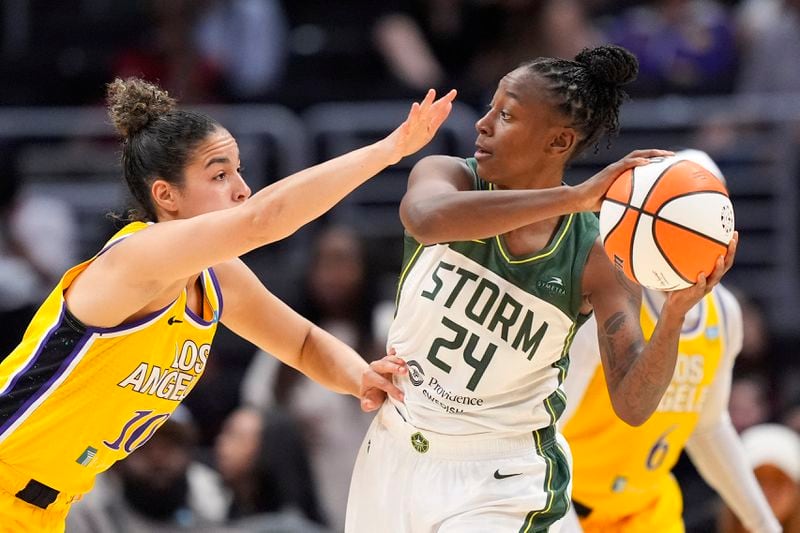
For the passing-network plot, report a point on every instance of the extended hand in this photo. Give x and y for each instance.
(376, 381)
(594, 189)
(421, 125)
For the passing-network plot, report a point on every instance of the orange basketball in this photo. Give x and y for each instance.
(664, 223)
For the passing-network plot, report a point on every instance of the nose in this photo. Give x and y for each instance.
(243, 191)
(483, 125)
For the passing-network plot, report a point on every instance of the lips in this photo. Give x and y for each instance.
(481, 151)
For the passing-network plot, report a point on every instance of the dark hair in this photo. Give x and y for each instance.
(588, 89)
(157, 139)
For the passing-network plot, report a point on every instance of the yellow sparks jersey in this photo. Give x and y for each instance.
(75, 399)
(621, 470)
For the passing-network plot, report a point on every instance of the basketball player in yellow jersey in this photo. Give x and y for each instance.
(622, 480)
(123, 337)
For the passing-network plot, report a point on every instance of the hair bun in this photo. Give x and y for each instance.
(610, 64)
(133, 103)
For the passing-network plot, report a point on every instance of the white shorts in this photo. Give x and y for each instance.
(411, 481)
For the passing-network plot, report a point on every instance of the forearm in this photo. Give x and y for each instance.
(330, 362)
(466, 215)
(719, 457)
(300, 198)
(640, 373)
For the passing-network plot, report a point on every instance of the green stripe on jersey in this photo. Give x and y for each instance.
(556, 484)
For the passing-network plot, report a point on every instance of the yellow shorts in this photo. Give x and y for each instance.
(18, 516)
(664, 515)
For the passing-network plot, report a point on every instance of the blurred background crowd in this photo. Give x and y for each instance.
(259, 447)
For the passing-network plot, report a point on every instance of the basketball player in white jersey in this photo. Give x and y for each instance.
(502, 264)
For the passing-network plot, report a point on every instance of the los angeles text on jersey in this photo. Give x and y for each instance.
(172, 383)
(687, 390)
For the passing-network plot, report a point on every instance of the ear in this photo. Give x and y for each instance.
(165, 196)
(563, 141)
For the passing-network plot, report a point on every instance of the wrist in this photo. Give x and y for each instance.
(385, 151)
(671, 317)
(576, 201)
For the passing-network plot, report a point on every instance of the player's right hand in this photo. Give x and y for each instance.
(592, 191)
(684, 299)
(376, 381)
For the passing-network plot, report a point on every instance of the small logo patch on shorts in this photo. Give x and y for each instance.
(419, 442)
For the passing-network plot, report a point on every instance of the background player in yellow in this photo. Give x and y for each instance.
(123, 337)
(621, 474)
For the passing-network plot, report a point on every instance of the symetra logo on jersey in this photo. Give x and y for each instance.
(553, 285)
(172, 383)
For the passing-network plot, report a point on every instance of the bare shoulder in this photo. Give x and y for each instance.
(598, 268)
(442, 168)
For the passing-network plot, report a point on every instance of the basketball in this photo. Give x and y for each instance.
(665, 222)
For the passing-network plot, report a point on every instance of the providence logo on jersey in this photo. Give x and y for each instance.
(415, 373)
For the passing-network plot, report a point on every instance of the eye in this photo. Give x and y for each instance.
(504, 115)
(221, 177)
(240, 170)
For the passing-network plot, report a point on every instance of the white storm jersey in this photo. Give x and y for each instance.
(486, 334)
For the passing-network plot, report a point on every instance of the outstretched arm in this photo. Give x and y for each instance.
(439, 205)
(638, 373)
(255, 314)
(134, 272)
(715, 448)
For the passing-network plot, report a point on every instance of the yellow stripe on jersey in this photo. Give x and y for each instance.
(76, 399)
(620, 470)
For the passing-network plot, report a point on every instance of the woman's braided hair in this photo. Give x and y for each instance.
(588, 89)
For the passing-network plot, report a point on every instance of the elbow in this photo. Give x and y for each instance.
(422, 224)
(633, 414)
(263, 223)
(633, 419)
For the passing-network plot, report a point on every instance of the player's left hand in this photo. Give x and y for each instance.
(685, 299)
(376, 381)
(422, 123)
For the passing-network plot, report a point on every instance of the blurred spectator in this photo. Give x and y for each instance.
(533, 28)
(683, 46)
(264, 461)
(769, 32)
(748, 404)
(791, 417)
(366, 50)
(37, 244)
(338, 295)
(247, 42)
(471, 45)
(774, 453)
(159, 488)
(167, 52)
(58, 53)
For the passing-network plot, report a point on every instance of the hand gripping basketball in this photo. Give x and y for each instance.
(666, 223)
(592, 191)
